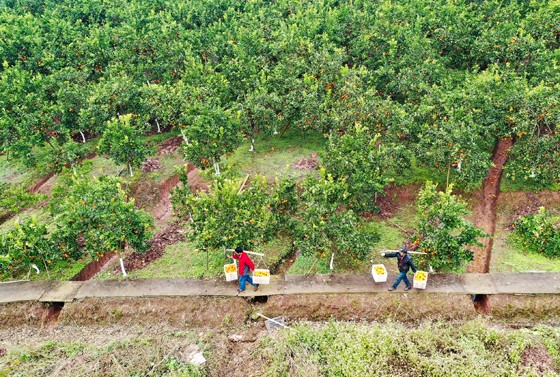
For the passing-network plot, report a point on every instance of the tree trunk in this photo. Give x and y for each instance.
(485, 210)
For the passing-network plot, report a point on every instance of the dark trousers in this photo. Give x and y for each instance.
(402, 276)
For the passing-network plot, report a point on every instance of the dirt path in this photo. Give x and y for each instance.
(485, 217)
(485, 210)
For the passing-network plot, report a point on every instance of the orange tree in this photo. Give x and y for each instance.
(326, 226)
(363, 161)
(443, 233)
(95, 215)
(26, 244)
(539, 232)
(225, 217)
(121, 141)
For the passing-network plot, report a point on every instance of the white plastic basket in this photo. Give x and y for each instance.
(379, 273)
(231, 271)
(261, 276)
(420, 280)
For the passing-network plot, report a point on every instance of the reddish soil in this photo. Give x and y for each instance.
(170, 235)
(196, 182)
(307, 163)
(485, 209)
(525, 209)
(164, 209)
(151, 164)
(170, 145)
(92, 268)
(395, 197)
(537, 357)
(37, 186)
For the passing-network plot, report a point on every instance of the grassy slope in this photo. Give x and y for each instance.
(273, 158)
(275, 155)
(469, 348)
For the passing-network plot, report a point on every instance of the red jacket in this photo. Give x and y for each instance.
(244, 260)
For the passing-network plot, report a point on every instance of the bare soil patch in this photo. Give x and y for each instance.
(537, 357)
(170, 145)
(196, 182)
(395, 198)
(42, 186)
(93, 267)
(307, 163)
(151, 164)
(170, 235)
(201, 312)
(164, 209)
(485, 209)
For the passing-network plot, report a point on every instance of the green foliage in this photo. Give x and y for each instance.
(26, 244)
(362, 160)
(95, 215)
(15, 198)
(390, 349)
(442, 80)
(211, 133)
(225, 217)
(324, 229)
(122, 143)
(539, 233)
(442, 231)
(284, 203)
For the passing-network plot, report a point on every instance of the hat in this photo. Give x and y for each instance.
(404, 250)
(238, 249)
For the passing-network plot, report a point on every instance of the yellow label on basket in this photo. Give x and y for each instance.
(261, 273)
(379, 270)
(230, 268)
(421, 276)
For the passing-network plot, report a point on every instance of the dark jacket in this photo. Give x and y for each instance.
(405, 262)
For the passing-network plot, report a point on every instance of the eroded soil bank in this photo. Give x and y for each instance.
(214, 312)
(154, 336)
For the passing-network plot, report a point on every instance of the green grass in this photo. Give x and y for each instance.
(310, 264)
(474, 348)
(508, 185)
(42, 215)
(12, 171)
(140, 354)
(419, 175)
(275, 155)
(510, 257)
(60, 271)
(181, 260)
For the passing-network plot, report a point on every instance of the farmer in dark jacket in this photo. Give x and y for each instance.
(405, 263)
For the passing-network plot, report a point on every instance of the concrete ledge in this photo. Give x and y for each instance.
(50, 291)
(63, 291)
(23, 291)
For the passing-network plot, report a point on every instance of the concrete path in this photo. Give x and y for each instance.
(55, 291)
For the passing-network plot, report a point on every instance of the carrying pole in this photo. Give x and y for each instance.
(248, 252)
(409, 252)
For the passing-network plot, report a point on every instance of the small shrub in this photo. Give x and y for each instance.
(539, 233)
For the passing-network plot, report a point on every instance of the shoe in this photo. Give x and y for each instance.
(256, 287)
(391, 289)
(239, 290)
(407, 288)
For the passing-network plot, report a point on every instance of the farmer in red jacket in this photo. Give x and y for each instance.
(245, 267)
